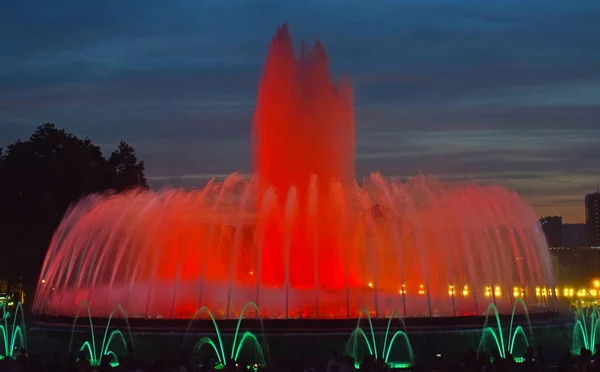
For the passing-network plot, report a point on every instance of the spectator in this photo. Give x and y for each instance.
(334, 363)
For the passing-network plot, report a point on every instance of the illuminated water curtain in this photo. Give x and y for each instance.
(301, 237)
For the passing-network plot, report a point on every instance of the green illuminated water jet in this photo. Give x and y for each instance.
(391, 336)
(497, 334)
(12, 335)
(261, 352)
(108, 339)
(585, 328)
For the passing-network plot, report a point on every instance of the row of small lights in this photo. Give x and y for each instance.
(518, 292)
(593, 247)
(594, 292)
(497, 291)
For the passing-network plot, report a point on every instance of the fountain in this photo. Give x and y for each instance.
(301, 238)
(499, 345)
(391, 338)
(260, 352)
(106, 347)
(13, 335)
(585, 328)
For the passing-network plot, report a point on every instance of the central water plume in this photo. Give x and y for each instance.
(300, 238)
(303, 141)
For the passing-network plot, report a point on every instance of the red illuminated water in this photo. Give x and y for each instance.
(301, 238)
(304, 126)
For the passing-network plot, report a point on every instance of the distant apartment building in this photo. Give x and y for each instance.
(575, 266)
(592, 218)
(577, 260)
(574, 235)
(552, 227)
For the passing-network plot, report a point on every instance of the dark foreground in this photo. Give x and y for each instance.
(471, 361)
(288, 343)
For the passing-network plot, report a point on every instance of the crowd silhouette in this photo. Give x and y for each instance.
(533, 361)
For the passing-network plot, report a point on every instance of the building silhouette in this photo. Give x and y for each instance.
(592, 218)
(574, 235)
(575, 266)
(552, 227)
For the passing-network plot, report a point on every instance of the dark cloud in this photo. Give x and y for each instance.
(497, 91)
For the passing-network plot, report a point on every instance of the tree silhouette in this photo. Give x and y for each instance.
(40, 178)
(126, 171)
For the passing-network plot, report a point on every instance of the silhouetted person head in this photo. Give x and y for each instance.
(105, 363)
(231, 366)
(125, 362)
(158, 365)
(347, 360)
(71, 358)
(584, 355)
(567, 359)
(82, 355)
(83, 364)
(484, 358)
(34, 363)
(470, 354)
(130, 351)
(22, 358)
(495, 354)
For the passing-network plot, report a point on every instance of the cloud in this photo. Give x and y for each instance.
(499, 91)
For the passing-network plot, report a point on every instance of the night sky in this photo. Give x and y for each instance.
(500, 91)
